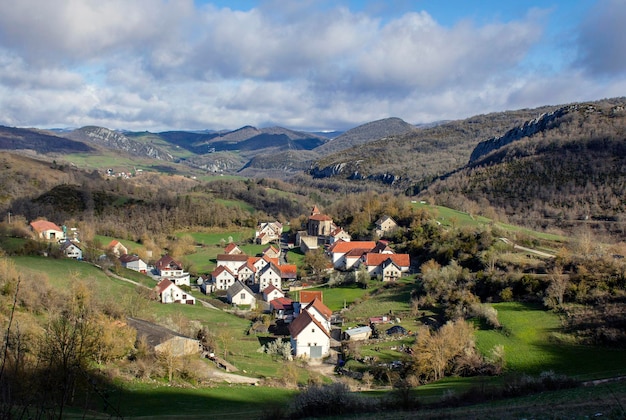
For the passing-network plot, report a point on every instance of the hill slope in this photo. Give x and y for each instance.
(418, 156)
(567, 167)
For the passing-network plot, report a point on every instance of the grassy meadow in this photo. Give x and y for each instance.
(533, 343)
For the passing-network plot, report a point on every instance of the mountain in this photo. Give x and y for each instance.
(118, 141)
(365, 133)
(411, 160)
(566, 167)
(39, 141)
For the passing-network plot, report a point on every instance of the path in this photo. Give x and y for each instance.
(523, 248)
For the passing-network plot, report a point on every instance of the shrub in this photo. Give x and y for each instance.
(278, 349)
(329, 400)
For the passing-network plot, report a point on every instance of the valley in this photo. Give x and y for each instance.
(503, 276)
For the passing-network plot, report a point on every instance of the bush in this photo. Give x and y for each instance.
(330, 400)
(278, 349)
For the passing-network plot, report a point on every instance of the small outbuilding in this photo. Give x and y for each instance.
(357, 334)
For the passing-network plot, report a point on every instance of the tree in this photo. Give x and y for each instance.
(557, 288)
(315, 262)
(435, 351)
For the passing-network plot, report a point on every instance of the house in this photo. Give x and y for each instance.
(309, 338)
(388, 266)
(222, 278)
(385, 225)
(269, 274)
(267, 232)
(261, 262)
(382, 247)
(232, 261)
(339, 235)
(288, 272)
(240, 294)
(358, 333)
(319, 224)
(306, 242)
(170, 293)
(307, 296)
(232, 249)
(282, 308)
(271, 292)
(338, 251)
(168, 267)
(161, 339)
(271, 252)
(47, 230)
(352, 258)
(320, 312)
(71, 250)
(117, 248)
(247, 272)
(133, 262)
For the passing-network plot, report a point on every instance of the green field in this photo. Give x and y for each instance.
(450, 217)
(531, 342)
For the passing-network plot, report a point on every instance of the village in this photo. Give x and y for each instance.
(267, 282)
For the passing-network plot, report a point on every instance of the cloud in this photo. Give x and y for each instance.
(158, 64)
(72, 30)
(602, 39)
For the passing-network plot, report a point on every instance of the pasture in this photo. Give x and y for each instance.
(532, 340)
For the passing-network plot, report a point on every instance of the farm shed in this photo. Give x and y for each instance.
(357, 334)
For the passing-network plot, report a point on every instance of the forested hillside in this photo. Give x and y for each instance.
(571, 172)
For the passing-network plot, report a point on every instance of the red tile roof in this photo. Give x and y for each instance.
(302, 321)
(320, 307)
(281, 303)
(229, 248)
(167, 261)
(163, 285)
(343, 247)
(219, 270)
(307, 296)
(43, 225)
(320, 217)
(288, 271)
(401, 260)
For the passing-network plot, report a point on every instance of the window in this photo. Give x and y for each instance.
(312, 330)
(242, 296)
(184, 296)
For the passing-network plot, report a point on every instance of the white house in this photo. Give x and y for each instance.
(223, 278)
(247, 272)
(388, 266)
(240, 294)
(270, 274)
(309, 338)
(133, 262)
(339, 235)
(232, 249)
(170, 293)
(320, 312)
(385, 225)
(117, 248)
(271, 292)
(339, 249)
(267, 232)
(168, 267)
(71, 250)
(232, 261)
(47, 230)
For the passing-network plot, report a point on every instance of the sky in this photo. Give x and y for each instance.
(308, 65)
